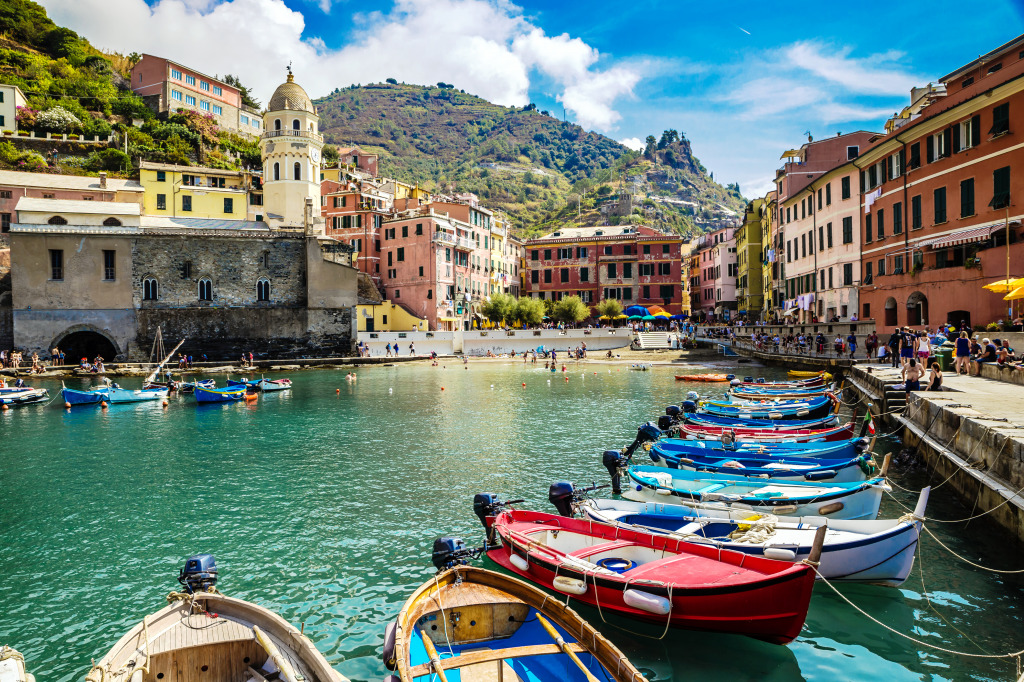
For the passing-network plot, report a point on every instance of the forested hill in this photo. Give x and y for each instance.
(520, 160)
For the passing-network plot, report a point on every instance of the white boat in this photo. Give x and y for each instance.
(857, 500)
(267, 385)
(24, 396)
(879, 552)
(12, 666)
(203, 635)
(116, 394)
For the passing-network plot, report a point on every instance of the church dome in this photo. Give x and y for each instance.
(290, 96)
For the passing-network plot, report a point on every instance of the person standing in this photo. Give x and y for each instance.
(387, 347)
(412, 350)
(912, 376)
(894, 346)
(851, 343)
(963, 353)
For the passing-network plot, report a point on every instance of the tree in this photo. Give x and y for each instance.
(500, 308)
(330, 155)
(609, 308)
(651, 147)
(528, 311)
(392, 81)
(247, 97)
(571, 310)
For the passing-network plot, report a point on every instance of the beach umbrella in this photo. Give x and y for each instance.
(635, 317)
(654, 309)
(1005, 285)
(648, 318)
(661, 313)
(620, 316)
(1015, 295)
(680, 317)
(636, 310)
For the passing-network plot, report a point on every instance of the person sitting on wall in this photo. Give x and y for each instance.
(988, 355)
(935, 378)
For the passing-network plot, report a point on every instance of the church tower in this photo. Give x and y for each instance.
(291, 147)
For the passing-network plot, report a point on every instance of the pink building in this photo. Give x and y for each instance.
(168, 86)
(715, 257)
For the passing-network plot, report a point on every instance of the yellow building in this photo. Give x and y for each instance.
(388, 317)
(196, 192)
(769, 254)
(749, 285)
(685, 253)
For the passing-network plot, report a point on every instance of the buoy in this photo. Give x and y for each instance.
(567, 380)
(524, 384)
(165, 402)
(103, 404)
(69, 404)
(337, 390)
(492, 386)
(4, 407)
(442, 388)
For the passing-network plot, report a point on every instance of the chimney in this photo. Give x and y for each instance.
(103, 180)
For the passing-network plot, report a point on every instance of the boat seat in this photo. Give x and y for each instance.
(710, 488)
(487, 655)
(601, 547)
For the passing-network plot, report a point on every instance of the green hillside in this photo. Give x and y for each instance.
(523, 161)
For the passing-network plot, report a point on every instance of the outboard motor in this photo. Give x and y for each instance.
(664, 422)
(487, 506)
(747, 380)
(614, 461)
(692, 395)
(689, 406)
(735, 382)
(861, 445)
(761, 380)
(730, 377)
(562, 494)
(448, 552)
(199, 574)
(672, 411)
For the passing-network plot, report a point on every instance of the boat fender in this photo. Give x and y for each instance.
(830, 508)
(388, 654)
(645, 601)
(822, 475)
(802, 413)
(775, 415)
(392, 678)
(564, 583)
(519, 562)
(785, 509)
(779, 554)
(685, 460)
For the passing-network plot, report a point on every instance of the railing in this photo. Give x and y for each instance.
(445, 238)
(464, 243)
(292, 133)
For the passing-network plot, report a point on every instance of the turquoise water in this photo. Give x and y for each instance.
(323, 506)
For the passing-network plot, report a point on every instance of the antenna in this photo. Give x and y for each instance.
(289, 67)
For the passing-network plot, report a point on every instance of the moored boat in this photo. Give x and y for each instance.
(127, 395)
(470, 623)
(812, 408)
(269, 385)
(204, 635)
(93, 396)
(705, 432)
(28, 396)
(12, 666)
(705, 377)
(218, 395)
(703, 418)
(658, 579)
(778, 466)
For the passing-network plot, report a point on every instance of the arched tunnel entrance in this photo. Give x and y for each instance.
(86, 344)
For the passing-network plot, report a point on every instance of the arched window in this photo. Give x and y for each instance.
(298, 171)
(296, 125)
(277, 124)
(205, 289)
(150, 289)
(277, 171)
(263, 289)
(112, 222)
(57, 220)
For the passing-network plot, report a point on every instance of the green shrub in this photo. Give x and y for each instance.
(108, 160)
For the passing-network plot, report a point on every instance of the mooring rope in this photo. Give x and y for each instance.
(969, 518)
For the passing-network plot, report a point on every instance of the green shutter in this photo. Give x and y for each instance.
(976, 130)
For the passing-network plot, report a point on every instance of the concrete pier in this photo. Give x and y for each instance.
(971, 433)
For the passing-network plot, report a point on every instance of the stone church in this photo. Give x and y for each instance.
(99, 278)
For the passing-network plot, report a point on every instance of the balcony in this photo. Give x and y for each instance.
(465, 244)
(445, 238)
(292, 133)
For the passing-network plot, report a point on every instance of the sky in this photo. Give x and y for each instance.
(743, 81)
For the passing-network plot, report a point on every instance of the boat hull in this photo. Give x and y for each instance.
(772, 608)
(73, 397)
(707, 432)
(27, 397)
(127, 395)
(218, 395)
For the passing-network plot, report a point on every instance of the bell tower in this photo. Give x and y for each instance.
(291, 147)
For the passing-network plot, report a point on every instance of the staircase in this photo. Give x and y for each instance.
(649, 340)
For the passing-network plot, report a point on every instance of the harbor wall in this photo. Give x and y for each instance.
(477, 343)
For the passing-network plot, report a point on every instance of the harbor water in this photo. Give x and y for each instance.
(322, 505)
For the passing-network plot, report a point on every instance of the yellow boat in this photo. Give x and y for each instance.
(801, 374)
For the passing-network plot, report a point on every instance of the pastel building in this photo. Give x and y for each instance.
(166, 85)
(11, 97)
(196, 192)
(749, 289)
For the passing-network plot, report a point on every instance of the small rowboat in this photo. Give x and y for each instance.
(93, 396)
(27, 396)
(812, 408)
(803, 374)
(202, 630)
(857, 500)
(218, 395)
(469, 623)
(705, 377)
(879, 552)
(704, 432)
(656, 578)
(779, 393)
(116, 394)
(268, 385)
(190, 386)
(773, 466)
(12, 666)
(705, 419)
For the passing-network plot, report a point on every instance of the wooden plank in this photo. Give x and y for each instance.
(486, 655)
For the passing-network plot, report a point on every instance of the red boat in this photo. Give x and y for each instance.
(811, 382)
(705, 432)
(656, 578)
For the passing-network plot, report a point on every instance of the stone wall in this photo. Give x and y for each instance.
(234, 265)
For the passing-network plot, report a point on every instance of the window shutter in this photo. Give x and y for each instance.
(976, 130)
(947, 137)
(930, 149)
(887, 169)
(862, 182)
(903, 161)
(956, 139)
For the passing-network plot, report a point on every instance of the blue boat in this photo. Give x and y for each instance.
(93, 396)
(765, 424)
(837, 469)
(24, 396)
(246, 383)
(219, 395)
(681, 447)
(812, 408)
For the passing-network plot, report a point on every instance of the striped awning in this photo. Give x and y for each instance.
(965, 236)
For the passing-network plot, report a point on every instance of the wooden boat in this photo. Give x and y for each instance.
(656, 578)
(12, 666)
(218, 395)
(469, 623)
(707, 432)
(705, 419)
(93, 396)
(803, 374)
(190, 386)
(266, 385)
(203, 635)
(773, 466)
(812, 408)
(780, 393)
(28, 396)
(857, 500)
(116, 394)
(879, 552)
(705, 377)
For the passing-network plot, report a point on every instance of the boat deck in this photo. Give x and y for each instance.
(200, 630)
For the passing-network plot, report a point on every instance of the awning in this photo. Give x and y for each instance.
(447, 319)
(965, 236)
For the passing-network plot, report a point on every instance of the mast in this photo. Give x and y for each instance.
(160, 366)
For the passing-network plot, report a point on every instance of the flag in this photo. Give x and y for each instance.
(870, 423)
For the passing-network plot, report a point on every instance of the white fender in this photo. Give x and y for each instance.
(564, 583)
(779, 554)
(645, 601)
(519, 562)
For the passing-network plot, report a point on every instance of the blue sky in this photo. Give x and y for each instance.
(744, 81)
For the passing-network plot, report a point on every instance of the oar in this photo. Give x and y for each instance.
(435, 660)
(288, 673)
(553, 633)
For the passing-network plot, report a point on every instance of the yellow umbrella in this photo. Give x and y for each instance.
(661, 313)
(1004, 285)
(620, 316)
(1014, 295)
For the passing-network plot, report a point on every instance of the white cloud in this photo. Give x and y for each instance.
(483, 46)
(878, 74)
(633, 143)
